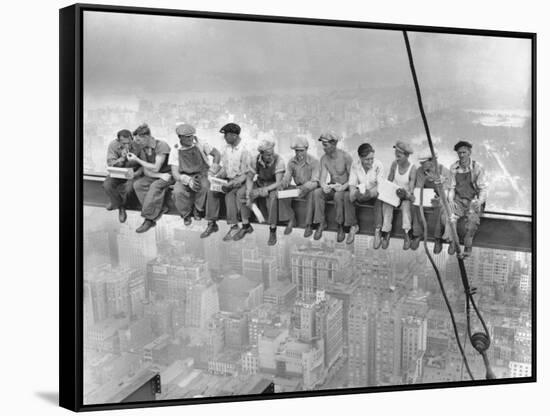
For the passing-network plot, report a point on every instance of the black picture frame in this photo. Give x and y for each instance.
(71, 204)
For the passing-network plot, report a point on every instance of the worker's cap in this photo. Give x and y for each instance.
(463, 143)
(403, 147)
(231, 128)
(185, 130)
(364, 150)
(329, 137)
(425, 155)
(299, 143)
(142, 130)
(124, 133)
(266, 145)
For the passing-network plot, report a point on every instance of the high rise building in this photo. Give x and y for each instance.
(237, 293)
(362, 340)
(388, 344)
(201, 303)
(413, 341)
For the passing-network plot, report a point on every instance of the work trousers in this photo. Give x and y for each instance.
(310, 205)
(350, 209)
(320, 199)
(231, 205)
(472, 216)
(185, 198)
(151, 193)
(277, 209)
(439, 219)
(387, 212)
(118, 191)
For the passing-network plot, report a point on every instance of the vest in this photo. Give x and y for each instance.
(191, 161)
(266, 175)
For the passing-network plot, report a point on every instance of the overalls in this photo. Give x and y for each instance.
(191, 163)
(465, 192)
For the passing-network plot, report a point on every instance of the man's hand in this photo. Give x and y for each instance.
(263, 192)
(284, 184)
(215, 169)
(166, 177)
(475, 205)
(132, 157)
(326, 188)
(303, 191)
(353, 195)
(195, 184)
(338, 187)
(452, 206)
(401, 193)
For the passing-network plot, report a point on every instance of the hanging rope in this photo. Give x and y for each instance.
(479, 340)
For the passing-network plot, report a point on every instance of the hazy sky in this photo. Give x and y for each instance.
(138, 54)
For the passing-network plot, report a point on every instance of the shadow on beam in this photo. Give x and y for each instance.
(497, 230)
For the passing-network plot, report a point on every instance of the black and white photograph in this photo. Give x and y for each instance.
(284, 208)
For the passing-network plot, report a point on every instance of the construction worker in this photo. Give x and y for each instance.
(151, 188)
(467, 194)
(403, 174)
(304, 170)
(190, 166)
(336, 163)
(269, 169)
(366, 173)
(236, 162)
(118, 189)
(428, 177)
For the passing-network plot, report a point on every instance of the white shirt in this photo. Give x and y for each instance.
(370, 179)
(236, 160)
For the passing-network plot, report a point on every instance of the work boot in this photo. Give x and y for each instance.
(308, 232)
(197, 215)
(289, 226)
(122, 216)
(231, 233)
(109, 207)
(467, 251)
(146, 226)
(211, 228)
(244, 230)
(452, 249)
(354, 229)
(319, 232)
(340, 235)
(377, 239)
(406, 241)
(438, 245)
(385, 239)
(415, 242)
(187, 220)
(272, 237)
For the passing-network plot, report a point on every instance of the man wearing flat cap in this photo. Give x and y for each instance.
(403, 174)
(428, 176)
(366, 174)
(234, 166)
(190, 166)
(118, 189)
(335, 163)
(151, 188)
(269, 169)
(468, 193)
(303, 169)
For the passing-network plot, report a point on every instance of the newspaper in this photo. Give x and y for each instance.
(387, 192)
(120, 173)
(427, 197)
(216, 184)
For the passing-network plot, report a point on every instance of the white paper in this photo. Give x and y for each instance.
(362, 187)
(429, 194)
(288, 193)
(120, 173)
(387, 192)
(216, 184)
(258, 213)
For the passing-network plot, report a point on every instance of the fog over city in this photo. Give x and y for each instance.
(217, 318)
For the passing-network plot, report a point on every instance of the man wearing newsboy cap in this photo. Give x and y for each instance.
(468, 193)
(336, 163)
(402, 173)
(190, 166)
(303, 170)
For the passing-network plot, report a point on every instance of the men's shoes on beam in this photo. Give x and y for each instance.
(211, 228)
(197, 215)
(289, 226)
(452, 249)
(385, 240)
(319, 232)
(109, 207)
(340, 234)
(438, 245)
(231, 233)
(146, 226)
(467, 251)
(122, 216)
(187, 220)
(415, 242)
(377, 239)
(242, 232)
(308, 232)
(272, 237)
(354, 229)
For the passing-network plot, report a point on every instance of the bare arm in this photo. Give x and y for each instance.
(215, 153)
(391, 174)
